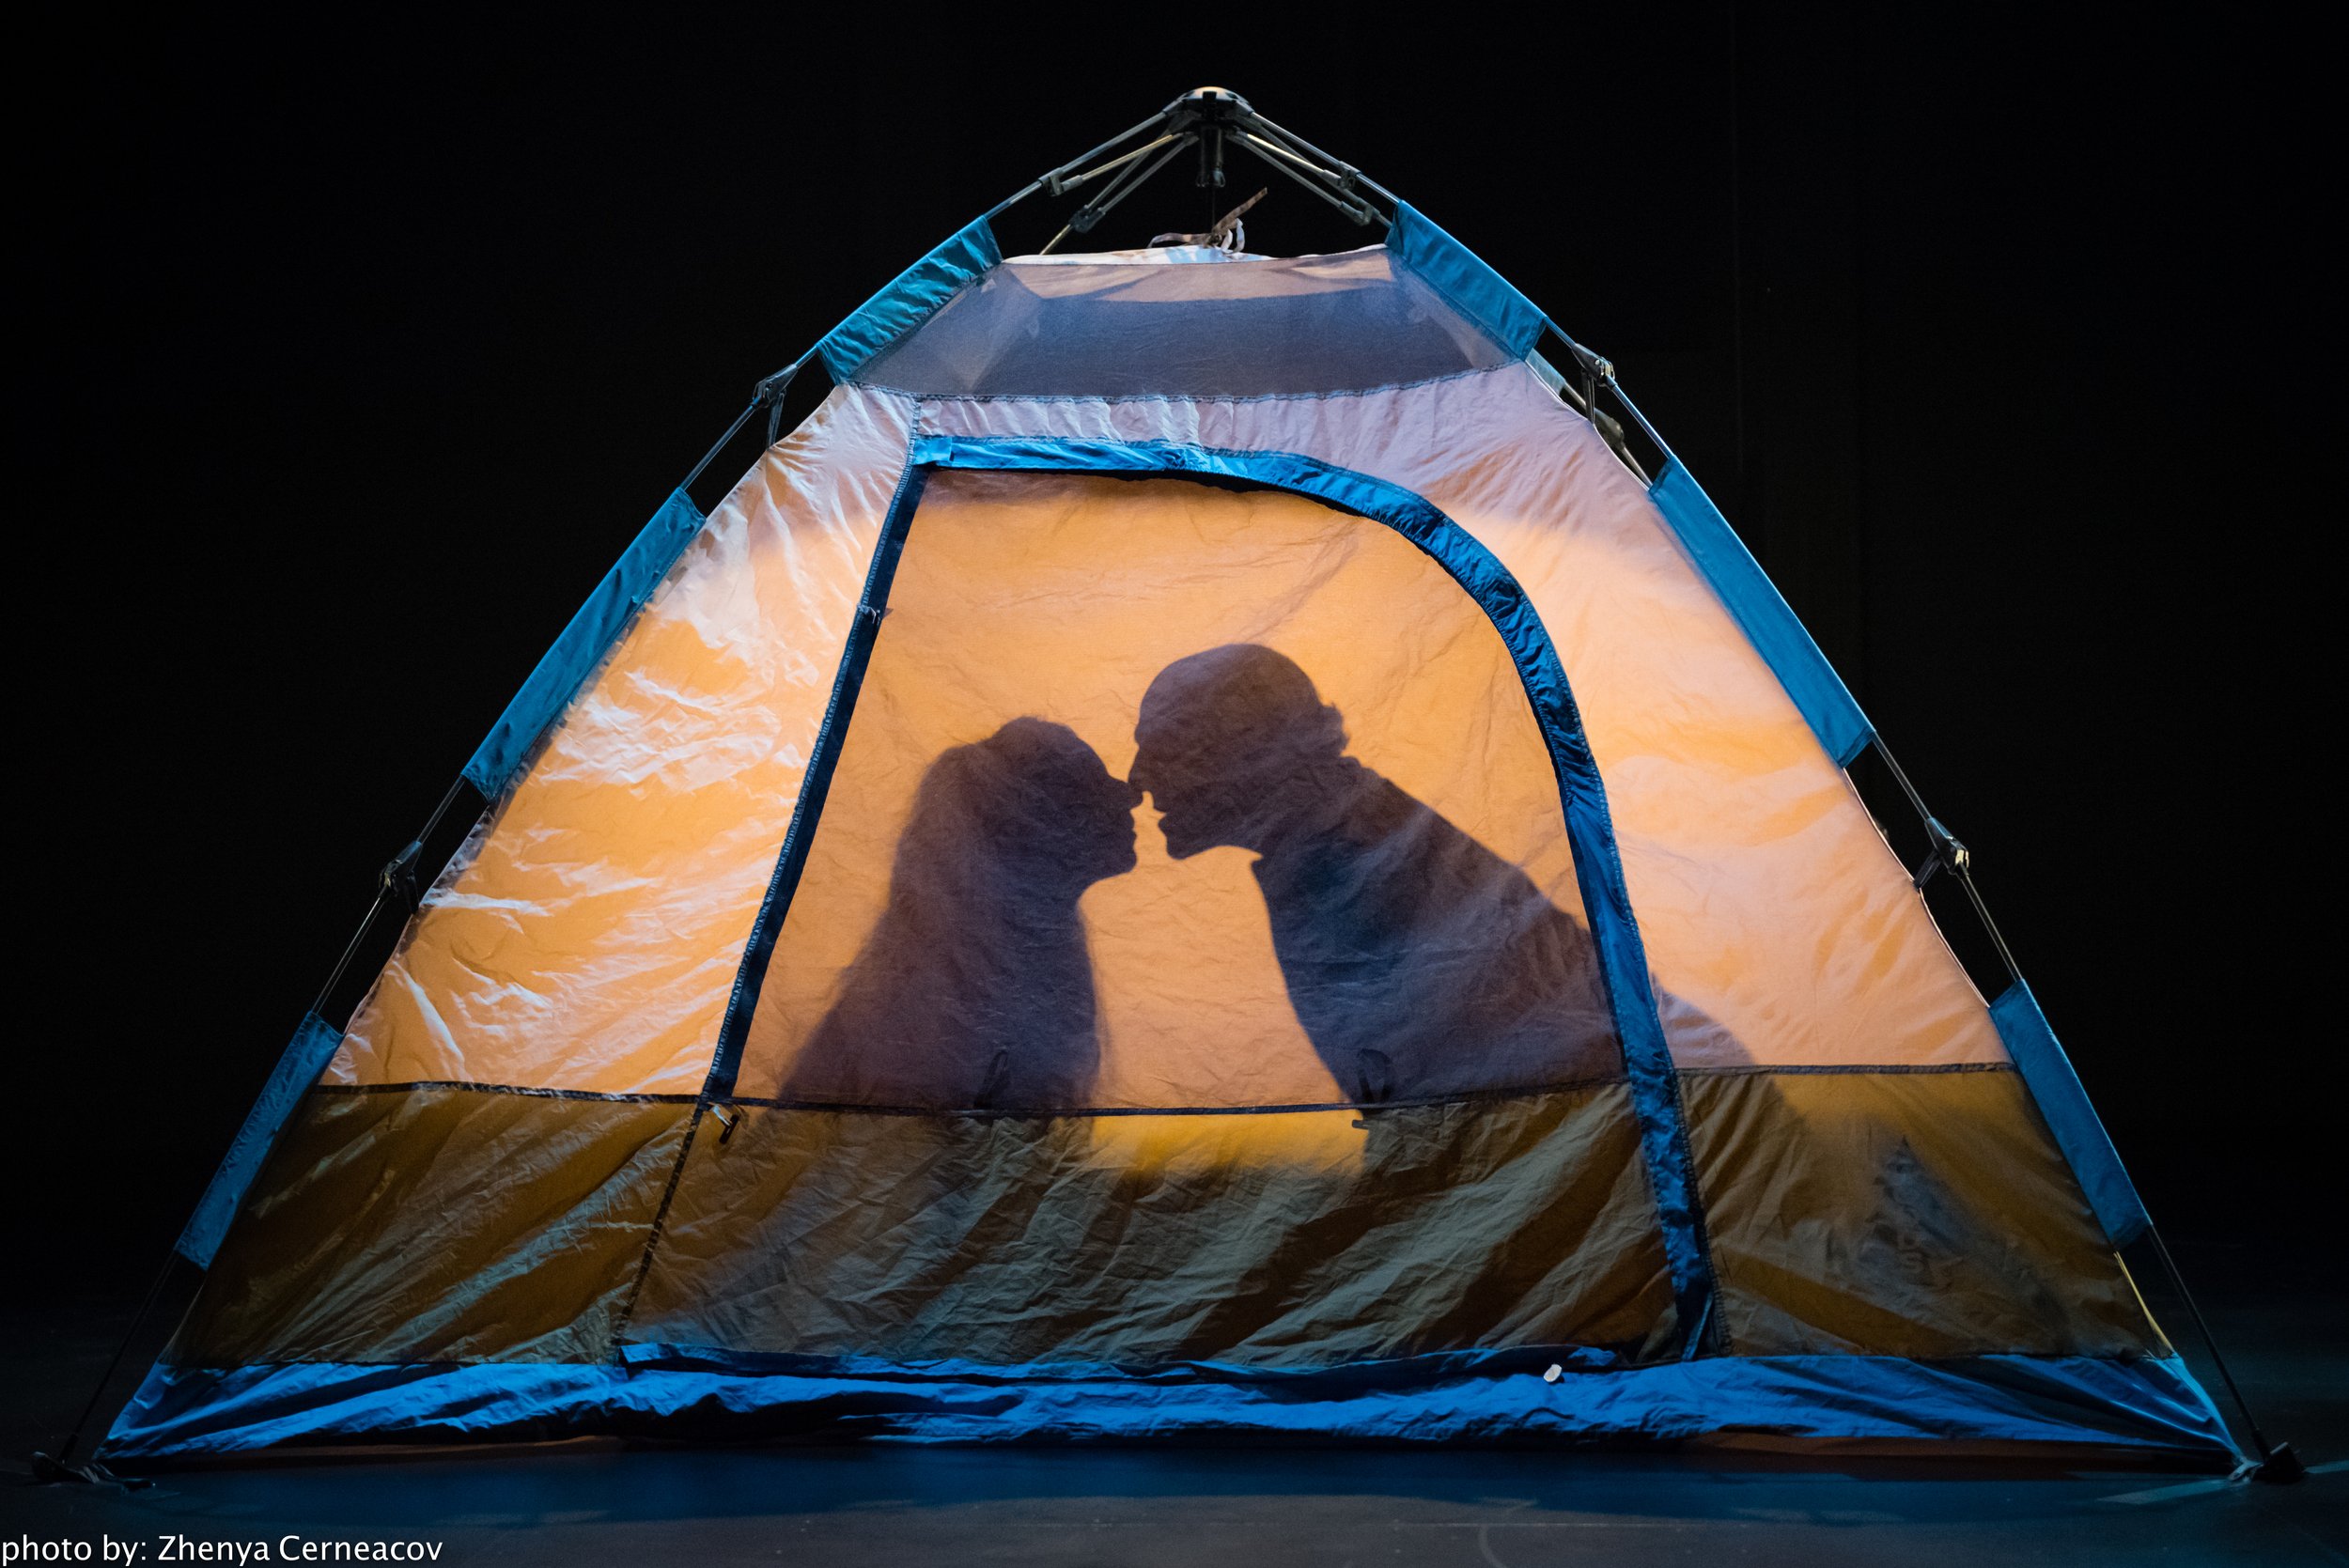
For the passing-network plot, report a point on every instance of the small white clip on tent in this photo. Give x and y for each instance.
(1506, 1020)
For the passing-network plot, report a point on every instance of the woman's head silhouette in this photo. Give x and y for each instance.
(974, 987)
(1028, 814)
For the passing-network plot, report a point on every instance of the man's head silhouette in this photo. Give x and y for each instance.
(1235, 746)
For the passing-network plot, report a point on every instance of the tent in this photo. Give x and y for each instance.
(1211, 846)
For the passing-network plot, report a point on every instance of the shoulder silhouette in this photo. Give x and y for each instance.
(1419, 963)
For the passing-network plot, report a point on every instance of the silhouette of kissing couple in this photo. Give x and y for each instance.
(1419, 963)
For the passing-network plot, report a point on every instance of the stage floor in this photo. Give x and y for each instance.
(2285, 1323)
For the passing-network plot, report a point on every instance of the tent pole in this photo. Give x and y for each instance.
(67, 1465)
(1055, 180)
(1143, 150)
(1597, 371)
(1083, 220)
(739, 420)
(1343, 174)
(1330, 179)
(1347, 173)
(1361, 213)
(2277, 1463)
(398, 877)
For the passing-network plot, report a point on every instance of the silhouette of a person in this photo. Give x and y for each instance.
(974, 991)
(1419, 963)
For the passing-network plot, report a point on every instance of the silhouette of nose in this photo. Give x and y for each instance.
(1133, 792)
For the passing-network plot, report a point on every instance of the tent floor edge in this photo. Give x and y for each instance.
(2080, 1411)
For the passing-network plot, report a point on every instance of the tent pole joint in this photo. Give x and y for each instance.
(1945, 854)
(769, 392)
(1126, 184)
(772, 388)
(397, 879)
(1212, 159)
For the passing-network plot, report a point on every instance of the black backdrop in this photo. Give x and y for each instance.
(359, 353)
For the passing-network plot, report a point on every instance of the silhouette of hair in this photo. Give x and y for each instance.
(1419, 963)
(974, 989)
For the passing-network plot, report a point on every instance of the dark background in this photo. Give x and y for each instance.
(360, 351)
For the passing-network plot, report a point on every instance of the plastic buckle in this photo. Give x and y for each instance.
(1945, 854)
(400, 877)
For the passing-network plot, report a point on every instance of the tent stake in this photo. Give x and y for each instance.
(2277, 1465)
(65, 1466)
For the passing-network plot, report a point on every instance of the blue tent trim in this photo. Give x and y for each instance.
(725, 1062)
(909, 300)
(297, 1067)
(1598, 868)
(1770, 623)
(2148, 1407)
(584, 641)
(897, 310)
(1467, 284)
(1516, 324)
(2079, 1132)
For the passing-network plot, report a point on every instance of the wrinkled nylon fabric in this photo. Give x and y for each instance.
(1386, 976)
(1748, 593)
(1902, 1253)
(1925, 1215)
(1993, 1404)
(583, 645)
(1765, 896)
(438, 1226)
(1270, 1241)
(587, 937)
(587, 934)
(1352, 881)
(909, 300)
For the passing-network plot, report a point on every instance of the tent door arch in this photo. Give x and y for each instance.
(1081, 632)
